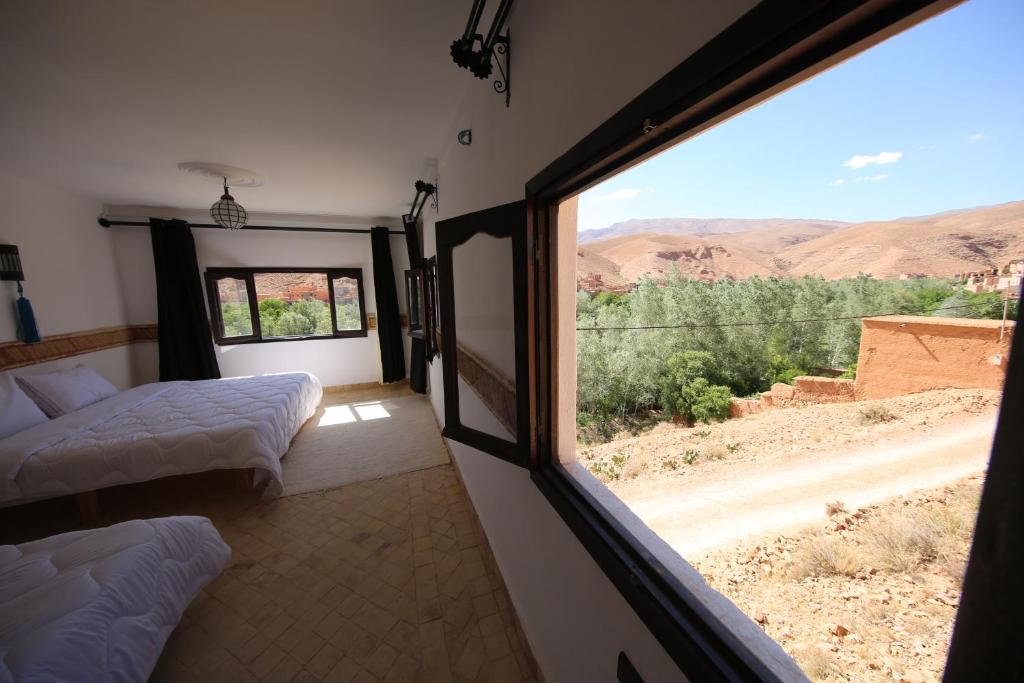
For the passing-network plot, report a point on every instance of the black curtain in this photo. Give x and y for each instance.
(389, 326)
(418, 359)
(185, 344)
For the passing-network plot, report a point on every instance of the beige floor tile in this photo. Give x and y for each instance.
(382, 580)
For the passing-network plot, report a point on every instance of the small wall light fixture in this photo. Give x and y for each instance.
(228, 213)
(10, 263)
(424, 191)
(466, 137)
(10, 269)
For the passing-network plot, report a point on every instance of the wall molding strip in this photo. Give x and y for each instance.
(496, 391)
(18, 354)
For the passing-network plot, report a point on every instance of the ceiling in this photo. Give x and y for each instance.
(338, 105)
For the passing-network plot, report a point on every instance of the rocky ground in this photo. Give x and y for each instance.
(868, 595)
(672, 450)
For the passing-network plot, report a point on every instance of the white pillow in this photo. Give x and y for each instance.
(17, 411)
(65, 391)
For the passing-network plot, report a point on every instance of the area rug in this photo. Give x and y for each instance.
(360, 437)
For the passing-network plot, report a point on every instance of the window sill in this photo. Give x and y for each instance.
(342, 335)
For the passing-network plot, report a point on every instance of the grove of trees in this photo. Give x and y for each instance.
(693, 370)
(280, 318)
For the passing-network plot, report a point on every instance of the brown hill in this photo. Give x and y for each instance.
(939, 245)
(709, 226)
(629, 258)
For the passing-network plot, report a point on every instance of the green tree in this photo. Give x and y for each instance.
(700, 401)
(235, 318)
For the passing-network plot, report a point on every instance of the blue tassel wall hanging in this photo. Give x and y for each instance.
(27, 330)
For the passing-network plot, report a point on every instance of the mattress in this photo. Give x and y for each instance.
(98, 605)
(158, 430)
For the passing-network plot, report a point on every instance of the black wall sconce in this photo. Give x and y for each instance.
(481, 62)
(466, 137)
(423, 192)
(10, 269)
(10, 263)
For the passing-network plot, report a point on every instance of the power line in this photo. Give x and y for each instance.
(697, 326)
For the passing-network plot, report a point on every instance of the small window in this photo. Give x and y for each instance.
(348, 303)
(263, 304)
(230, 307)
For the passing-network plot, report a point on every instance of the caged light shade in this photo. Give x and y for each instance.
(228, 213)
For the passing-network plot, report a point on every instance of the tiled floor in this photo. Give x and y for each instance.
(388, 580)
(382, 581)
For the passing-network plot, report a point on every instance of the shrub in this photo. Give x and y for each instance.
(700, 401)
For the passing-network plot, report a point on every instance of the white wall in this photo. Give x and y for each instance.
(334, 361)
(576, 63)
(70, 272)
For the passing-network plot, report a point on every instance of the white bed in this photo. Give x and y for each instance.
(158, 430)
(98, 605)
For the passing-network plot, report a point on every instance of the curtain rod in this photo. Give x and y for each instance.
(283, 228)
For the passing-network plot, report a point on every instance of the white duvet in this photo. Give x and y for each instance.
(98, 605)
(158, 430)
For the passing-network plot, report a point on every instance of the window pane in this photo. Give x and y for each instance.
(346, 303)
(234, 307)
(293, 304)
(413, 282)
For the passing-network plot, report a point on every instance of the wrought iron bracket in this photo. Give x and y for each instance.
(503, 53)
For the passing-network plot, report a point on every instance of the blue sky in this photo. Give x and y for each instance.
(930, 120)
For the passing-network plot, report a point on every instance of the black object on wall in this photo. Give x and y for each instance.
(389, 324)
(479, 62)
(986, 642)
(418, 358)
(185, 344)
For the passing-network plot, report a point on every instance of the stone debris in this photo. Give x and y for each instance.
(873, 626)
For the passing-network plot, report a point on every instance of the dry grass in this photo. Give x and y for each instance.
(815, 663)
(939, 534)
(823, 555)
(712, 451)
(876, 414)
(835, 507)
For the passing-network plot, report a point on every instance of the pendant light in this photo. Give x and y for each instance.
(228, 213)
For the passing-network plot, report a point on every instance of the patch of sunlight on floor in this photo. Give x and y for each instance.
(336, 415)
(371, 411)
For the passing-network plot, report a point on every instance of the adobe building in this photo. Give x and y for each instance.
(902, 354)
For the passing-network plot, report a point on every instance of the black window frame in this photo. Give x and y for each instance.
(248, 274)
(424, 281)
(775, 45)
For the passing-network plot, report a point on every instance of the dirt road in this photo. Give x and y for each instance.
(729, 501)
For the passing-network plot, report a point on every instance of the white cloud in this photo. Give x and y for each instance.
(872, 178)
(977, 137)
(619, 195)
(838, 182)
(862, 160)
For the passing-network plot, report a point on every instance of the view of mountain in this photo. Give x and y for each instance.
(939, 245)
(708, 226)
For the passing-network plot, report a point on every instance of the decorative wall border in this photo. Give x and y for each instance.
(496, 391)
(18, 354)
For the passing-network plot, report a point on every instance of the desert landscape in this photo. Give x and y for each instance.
(841, 529)
(940, 245)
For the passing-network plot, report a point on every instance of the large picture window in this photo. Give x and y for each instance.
(250, 305)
